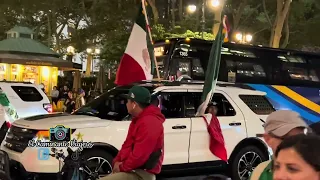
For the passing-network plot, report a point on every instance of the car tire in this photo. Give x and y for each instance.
(238, 167)
(90, 159)
(91, 154)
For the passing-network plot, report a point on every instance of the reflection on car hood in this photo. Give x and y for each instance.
(51, 120)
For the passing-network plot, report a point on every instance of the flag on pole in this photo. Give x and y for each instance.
(226, 28)
(138, 61)
(212, 72)
(217, 144)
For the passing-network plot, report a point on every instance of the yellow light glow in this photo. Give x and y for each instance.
(215, 3)
(248, 37)
(97, 51)
(45, 72)
(192, 8)
(187, 39)
(70, 49)
(158, 51)
(167, 41)
(89, 50)
(239, 36)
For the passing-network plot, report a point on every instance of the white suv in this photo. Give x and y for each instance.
(26, 98)
(105, 122)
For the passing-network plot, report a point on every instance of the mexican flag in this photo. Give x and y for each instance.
(217, 143)
(212, 72)
(137, 63)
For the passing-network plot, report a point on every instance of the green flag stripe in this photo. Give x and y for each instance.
(151, 52)
(213, 65)
(141, 20)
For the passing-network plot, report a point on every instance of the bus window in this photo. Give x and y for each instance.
(160, 62)
(291, 59)
(245, 71)
(297, 73)
(250, 69)
(197, 69)
(184, 67)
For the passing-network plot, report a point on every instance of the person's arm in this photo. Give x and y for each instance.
(125, 148)
(146, 140)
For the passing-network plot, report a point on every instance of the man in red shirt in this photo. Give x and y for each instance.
(141, 155)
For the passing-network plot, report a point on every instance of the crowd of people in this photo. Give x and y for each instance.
(70, 99)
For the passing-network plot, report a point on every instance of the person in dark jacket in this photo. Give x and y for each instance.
(70, 103)
(141, 155)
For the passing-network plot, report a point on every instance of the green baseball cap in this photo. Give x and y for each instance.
(139, 94)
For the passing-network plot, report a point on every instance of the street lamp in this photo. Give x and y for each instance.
(70, 50)
(70, 54)
(215, 3)
(91, 52)
(193, 8)
(244, 38)
(248, 37)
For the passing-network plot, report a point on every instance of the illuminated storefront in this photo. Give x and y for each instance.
(24, 59)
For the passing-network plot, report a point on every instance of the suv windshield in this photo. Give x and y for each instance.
(109, 105)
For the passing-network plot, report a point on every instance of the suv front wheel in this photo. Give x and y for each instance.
(96, 163)
(245, 161)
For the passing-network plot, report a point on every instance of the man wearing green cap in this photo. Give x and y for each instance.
(141, 155)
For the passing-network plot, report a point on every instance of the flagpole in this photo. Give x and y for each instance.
(148, 29)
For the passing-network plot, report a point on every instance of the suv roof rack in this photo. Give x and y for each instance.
(15, 82)
(195, 82)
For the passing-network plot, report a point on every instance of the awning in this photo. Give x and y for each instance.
(38, 60)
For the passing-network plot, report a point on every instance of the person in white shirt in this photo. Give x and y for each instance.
(55, 95)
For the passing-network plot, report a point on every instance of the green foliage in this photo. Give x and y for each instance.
(159, 32)
(190, 34)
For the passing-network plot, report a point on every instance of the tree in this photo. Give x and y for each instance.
(154, 11)
(283, 7)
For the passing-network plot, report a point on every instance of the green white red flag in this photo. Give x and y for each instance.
(138, 61)
(216, 141)
(212, 72)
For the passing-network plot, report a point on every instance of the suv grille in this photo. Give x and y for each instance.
(17, 138)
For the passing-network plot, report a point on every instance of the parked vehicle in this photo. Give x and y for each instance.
(26, 99)
(105, 122)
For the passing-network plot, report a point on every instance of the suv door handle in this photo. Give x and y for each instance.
(179, 127)
(235, 124)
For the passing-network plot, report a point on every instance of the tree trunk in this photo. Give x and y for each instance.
(180, 10)
(154, 11)
(198, 16)
(282, 11)
(173, 14)
(287, 32)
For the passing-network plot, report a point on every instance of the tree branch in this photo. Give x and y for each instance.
(266, 12)
(249, 15)
(287, 32)
(238, 14)
(263, 29)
